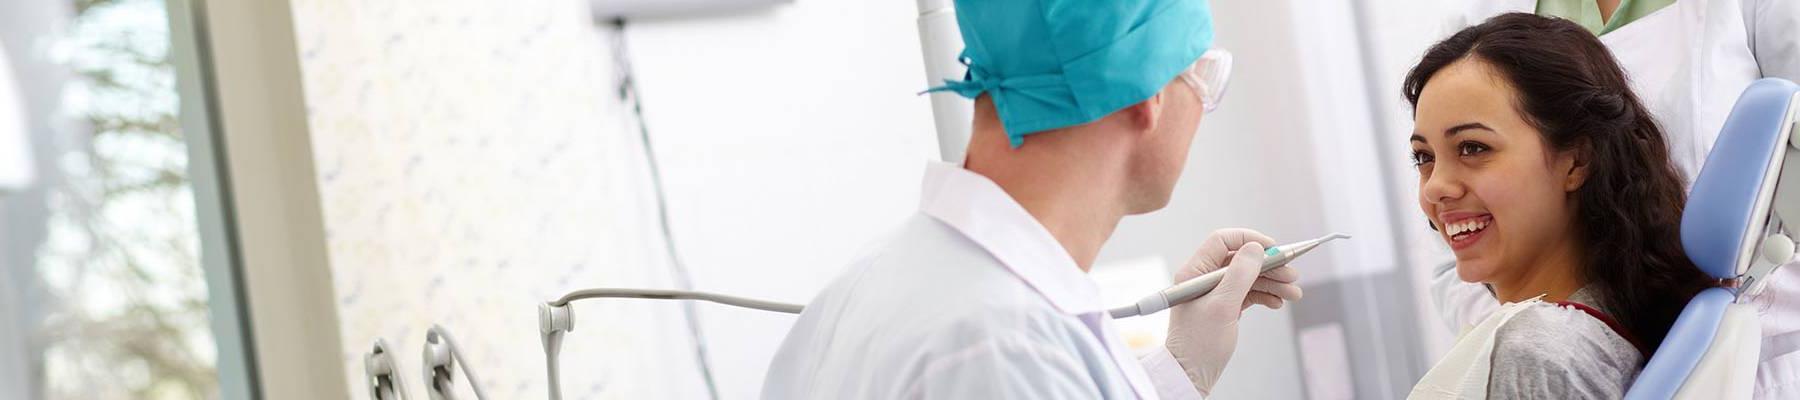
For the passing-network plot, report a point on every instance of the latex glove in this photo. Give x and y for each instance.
(1203, 332)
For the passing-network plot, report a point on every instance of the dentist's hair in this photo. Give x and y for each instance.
(1628, 213)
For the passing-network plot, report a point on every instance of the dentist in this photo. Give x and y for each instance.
(1084, 111)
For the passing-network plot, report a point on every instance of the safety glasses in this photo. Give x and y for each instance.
(1208, 76)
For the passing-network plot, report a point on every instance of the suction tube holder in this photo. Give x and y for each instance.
(554, 319)
(381, 372)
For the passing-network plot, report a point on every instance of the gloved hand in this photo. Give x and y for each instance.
(1203, 332)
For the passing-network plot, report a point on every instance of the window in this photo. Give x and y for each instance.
(104, 294)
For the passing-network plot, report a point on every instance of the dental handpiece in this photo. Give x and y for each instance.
(1194, 288)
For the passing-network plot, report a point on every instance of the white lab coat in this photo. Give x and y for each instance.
(970, 299)
(1688, 62)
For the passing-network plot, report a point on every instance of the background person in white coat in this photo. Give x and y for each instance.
(1688, 60)
(1084, 113)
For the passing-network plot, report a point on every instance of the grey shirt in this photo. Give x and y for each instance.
(1553, 352)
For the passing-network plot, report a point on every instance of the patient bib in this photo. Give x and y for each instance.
(1463, 373)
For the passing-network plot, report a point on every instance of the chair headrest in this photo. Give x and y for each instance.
(1721, 224)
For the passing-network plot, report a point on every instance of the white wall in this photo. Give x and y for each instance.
(788, 139)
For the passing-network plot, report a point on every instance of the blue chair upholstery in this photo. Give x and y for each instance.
(1723, 200)
(1717, 225)
(1688, 339)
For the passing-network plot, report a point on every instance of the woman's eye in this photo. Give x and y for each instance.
(1420, 157)
(1471, 148)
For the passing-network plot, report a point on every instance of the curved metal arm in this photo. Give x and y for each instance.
(555, 318)
(664, 294)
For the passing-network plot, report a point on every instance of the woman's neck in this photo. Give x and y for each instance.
(1608, 8)
(1556, 274)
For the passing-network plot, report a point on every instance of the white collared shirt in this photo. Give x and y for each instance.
(970, 299)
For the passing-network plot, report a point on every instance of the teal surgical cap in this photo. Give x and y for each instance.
(1049, 64)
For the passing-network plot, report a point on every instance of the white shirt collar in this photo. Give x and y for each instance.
(979, 209)
(982, 211)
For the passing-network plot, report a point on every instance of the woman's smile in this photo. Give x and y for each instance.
(1463, 230)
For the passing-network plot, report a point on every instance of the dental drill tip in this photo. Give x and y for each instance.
(1338, 235)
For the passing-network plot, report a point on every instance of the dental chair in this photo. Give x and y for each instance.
(1733, 230)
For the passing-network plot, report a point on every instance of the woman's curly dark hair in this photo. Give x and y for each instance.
(1628, 211)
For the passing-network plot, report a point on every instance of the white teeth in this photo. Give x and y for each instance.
(1465, 227)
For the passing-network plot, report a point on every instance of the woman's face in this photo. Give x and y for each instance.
(1499, 196)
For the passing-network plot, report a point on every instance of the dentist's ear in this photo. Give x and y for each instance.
(1145, 115)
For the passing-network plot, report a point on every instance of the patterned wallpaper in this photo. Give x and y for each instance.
(473, 162)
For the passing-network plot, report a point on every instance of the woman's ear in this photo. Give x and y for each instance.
(1575, 164)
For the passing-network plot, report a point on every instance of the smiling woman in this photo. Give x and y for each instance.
(1550, 179)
